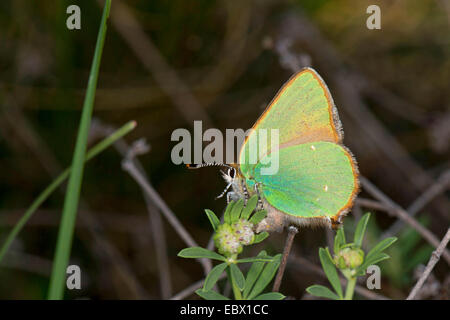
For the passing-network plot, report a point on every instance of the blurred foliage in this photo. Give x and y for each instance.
(408, 252)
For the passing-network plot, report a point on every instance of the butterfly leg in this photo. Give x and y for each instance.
(260, 202)
(224, 191)
(245, 191)
(230, 196)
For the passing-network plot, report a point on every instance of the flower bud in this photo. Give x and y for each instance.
(349, 258)
(226, 240)
(243, 230)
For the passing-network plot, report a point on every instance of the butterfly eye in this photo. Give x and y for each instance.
(231, 172)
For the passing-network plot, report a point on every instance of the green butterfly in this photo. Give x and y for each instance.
(317, 177)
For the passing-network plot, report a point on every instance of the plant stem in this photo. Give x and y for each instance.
(287, 249)
(350, 288)
(67, 225)
(236, 291)
(98, 148)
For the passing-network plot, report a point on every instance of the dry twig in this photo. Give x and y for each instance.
(437, 188)
(191, 289)
(435, 256)
(402, 214)
(156, 225)
(292, 231)
(128, 165)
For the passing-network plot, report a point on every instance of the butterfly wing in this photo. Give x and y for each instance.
(303, 111)
(317, 179)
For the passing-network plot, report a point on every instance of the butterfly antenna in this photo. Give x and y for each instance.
(207, 164)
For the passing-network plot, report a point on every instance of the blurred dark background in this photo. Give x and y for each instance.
(168, 63)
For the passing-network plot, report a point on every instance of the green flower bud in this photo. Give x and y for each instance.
(243, 230)
(226, 241)
(349, 258)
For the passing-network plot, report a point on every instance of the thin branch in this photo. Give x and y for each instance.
(191, 289)
(27, 262)
(49, 218)
(103, 248)
(129, 166)
(435, 189)
(435, 256)
(373, 204)
(402, 214)
(287, 249)
(154, 217)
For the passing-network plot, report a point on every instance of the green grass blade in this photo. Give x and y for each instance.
(67, 225)
(98, 148)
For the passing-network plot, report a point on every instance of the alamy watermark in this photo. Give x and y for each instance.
(374, 20)
(74, 20)
(262, 147)
(74, 277)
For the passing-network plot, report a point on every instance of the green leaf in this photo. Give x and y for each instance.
(256, 259)
(381, 246)
(213, 276)
(258, 216)
(339, 240)
(237, 276)
(378, 257)
(330, 270)
(253, 273)
(215, 222)
(265, 277)
(270, 296)
(260, 237)
(361, 229)
(227, 214)
(236, 211)
(210, 295)
(197, 252)
(321, 291)
(251, 205)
